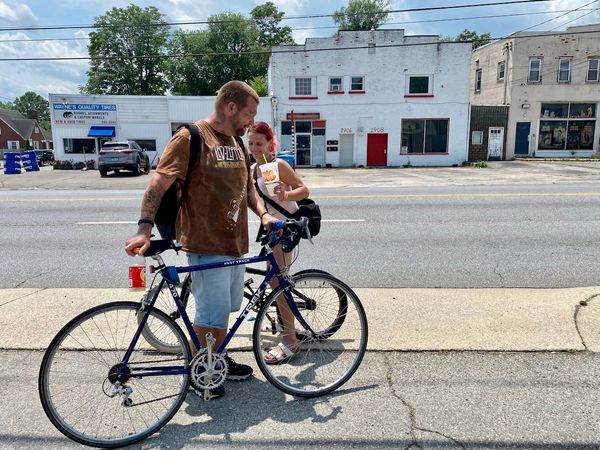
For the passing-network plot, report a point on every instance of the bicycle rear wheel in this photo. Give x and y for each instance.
(87, 394)
(325, 361)
(154, 332)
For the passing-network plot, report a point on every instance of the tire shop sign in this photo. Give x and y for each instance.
(84, 114)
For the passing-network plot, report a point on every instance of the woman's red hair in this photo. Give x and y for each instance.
(265, 129)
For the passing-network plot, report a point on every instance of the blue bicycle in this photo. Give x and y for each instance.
(102, 384)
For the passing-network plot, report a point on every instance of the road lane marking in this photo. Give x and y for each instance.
(125, 222)
(69, 200)
(516, 194)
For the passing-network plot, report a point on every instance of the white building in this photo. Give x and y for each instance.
(550, 80)
(80, 123)
(372, 98)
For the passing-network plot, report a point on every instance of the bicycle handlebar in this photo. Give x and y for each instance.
(278, 230)
(284, 229)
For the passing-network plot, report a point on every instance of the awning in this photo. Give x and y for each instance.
(101, 132)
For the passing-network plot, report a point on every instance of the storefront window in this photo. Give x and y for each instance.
(286, 128)
(425, 136)
(79, 145)
(581, 135)
(555, 110)
(413, 133)
(582, 110)
(572, 134)
(553, 134)
(303, 126)
(436, 136)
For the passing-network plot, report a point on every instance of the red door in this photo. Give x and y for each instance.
(377, 149)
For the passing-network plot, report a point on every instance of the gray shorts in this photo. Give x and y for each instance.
(218, 292)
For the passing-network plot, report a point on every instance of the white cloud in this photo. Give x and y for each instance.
(564, 5)
(288, 6)
(42, 77)
(15, 13)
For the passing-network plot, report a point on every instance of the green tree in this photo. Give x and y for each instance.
(7, 105)
(231, 38)
(259, 84)
(227, 50)
(127, 52)
(187, 70)
(362, 15)
(477, 40)
(30, 101)
(267, 18)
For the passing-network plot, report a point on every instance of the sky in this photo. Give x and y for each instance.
(18, 77)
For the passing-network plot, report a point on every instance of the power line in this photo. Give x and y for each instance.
(408, 22)
(269, 52)
(558, 17)
(312, 16)
(298, 49)
(526, 38)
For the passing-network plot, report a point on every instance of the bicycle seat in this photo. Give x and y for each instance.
(160, 245)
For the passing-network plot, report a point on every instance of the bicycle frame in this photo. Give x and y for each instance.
(170, 275)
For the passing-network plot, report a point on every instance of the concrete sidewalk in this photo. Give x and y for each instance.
(399, 319)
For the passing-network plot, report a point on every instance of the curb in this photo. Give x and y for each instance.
(519, 320)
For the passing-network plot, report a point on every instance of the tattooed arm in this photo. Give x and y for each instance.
(157, 186)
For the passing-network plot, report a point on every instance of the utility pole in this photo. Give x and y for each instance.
(507, 49)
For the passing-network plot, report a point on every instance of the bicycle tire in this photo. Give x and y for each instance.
(155, 334)
(78, 374)
(321, 365)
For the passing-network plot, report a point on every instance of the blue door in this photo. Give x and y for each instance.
(522, 138)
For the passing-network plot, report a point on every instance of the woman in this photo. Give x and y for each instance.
(262, 144)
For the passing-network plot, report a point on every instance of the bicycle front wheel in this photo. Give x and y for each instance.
(325, 361)
(155, 332)
(92, 398)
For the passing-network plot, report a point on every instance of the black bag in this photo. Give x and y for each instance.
(306, 208)
(168, 210)
(309, 209)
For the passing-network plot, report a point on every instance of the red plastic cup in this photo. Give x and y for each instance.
(137, 277)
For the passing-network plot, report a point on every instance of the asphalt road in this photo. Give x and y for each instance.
(525, 235)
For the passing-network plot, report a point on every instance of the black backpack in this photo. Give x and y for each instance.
(166, 216)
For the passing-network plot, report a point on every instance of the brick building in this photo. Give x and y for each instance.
(16, 130)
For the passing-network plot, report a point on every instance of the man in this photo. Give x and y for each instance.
(213, 221)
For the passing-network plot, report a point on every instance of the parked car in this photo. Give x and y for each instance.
(44, 157)
(127, 155)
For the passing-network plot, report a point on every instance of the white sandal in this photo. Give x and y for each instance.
(280, 354)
